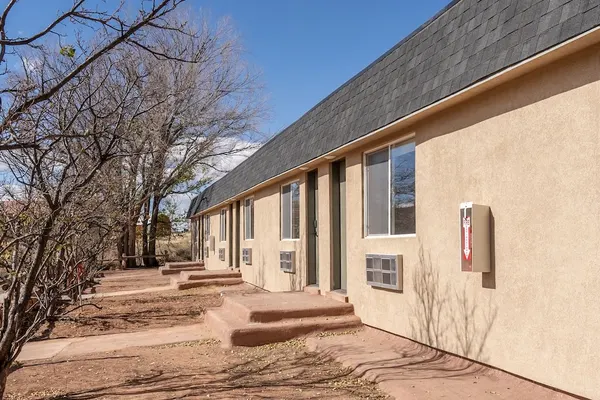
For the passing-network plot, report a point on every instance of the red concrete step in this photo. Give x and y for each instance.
(184, 264)
(233, 331)
(312, 289)
(183, 285)
(271, 307)
(197, 276)
(169, 271)
(337, 296)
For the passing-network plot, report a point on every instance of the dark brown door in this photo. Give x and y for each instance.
(312, 227)
(338, 224)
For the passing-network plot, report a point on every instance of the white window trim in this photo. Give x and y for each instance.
(248, 198)
(206, 227)
(405, 139)
(221, 223)
(281, 238)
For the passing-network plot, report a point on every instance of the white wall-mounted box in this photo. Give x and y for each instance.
(247, 255)
(474, 237)
(287, 261)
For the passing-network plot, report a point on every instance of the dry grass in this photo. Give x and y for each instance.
(178, 247)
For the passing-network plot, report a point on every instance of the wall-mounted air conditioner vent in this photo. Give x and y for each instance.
(384, 270)
(222, 254)
(211, 240)
(247, 256)
(287, 261)
(206, 251)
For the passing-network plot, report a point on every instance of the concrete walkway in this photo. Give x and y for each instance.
(128, 292)
(407, 370)
(102, 343)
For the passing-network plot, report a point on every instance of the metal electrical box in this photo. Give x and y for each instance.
(474, 238)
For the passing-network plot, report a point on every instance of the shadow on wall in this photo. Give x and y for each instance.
(446, 317)
(488, 280)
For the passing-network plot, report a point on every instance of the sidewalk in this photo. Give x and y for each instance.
(103, 343)
(128, 292)
(407, 370)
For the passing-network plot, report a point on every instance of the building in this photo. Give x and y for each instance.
(491, 102)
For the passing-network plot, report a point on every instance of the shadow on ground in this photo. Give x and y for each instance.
(278, 371)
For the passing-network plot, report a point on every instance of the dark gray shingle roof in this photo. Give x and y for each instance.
(464, 43)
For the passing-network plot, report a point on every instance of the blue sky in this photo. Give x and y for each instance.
(305, 49)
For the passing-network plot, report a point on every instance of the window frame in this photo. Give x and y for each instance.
(206, 227)
(246, 220)
(289, 183)
(223, 225)
(400, 141)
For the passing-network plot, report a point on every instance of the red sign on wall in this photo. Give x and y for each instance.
(466, 239)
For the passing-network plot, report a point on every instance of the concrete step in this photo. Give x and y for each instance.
(336, 295)
(177, 271)
(183, 285)
(312, 289)
(234, 331)
(184, 264)
(271, 307)
(197, 276)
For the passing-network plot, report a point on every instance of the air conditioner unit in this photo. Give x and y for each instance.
(384, 271)
(287, 261)
(211, 240)
(206, 251)
(222, 254)
(247, 256)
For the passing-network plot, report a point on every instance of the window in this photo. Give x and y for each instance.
(390, 190)
(206, 227)
(290, 211)
(223, 227)
(249, 218)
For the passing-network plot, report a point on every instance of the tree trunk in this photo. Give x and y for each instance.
(131, 262)
(121, 247)
(3, 377)
(145, 250)
(153, 227)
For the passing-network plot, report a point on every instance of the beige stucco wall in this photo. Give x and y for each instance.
(530, 150)
(213, 262)
(267, 243)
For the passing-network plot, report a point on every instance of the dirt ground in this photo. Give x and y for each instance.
(131, 313)
(135, 313)
(191, 370)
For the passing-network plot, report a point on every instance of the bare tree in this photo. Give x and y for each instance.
(93, 132)
(208, 109)
(63, 206)
(17, 96)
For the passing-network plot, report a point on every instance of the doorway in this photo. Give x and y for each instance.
(312, 227)
(338, 224)
(238, 223)
(201, 238)
(230, 235)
